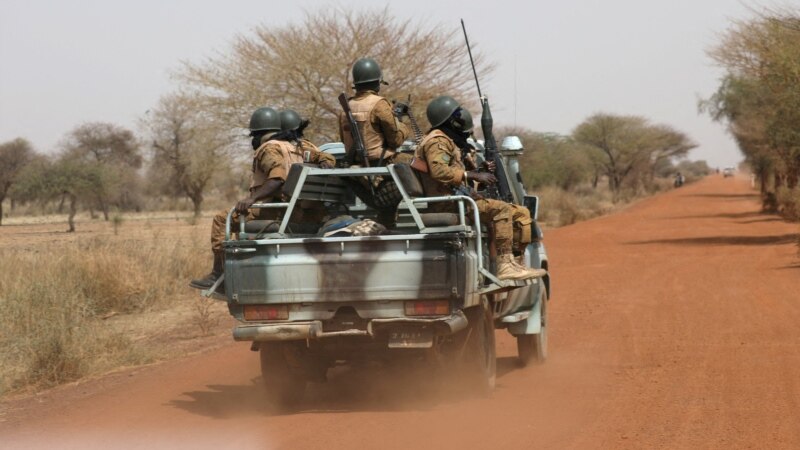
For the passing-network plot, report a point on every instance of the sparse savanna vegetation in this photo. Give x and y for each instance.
(67, 308)
(71, 305)
(759, 102)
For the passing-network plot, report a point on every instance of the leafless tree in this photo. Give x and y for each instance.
(184, 139)
(304, 66)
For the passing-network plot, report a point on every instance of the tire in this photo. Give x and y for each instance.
(479, 354)
(532, 348)
(283, 385)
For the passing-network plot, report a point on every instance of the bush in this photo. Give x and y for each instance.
(558, 207)
(788, 202)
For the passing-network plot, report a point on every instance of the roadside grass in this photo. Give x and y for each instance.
(54, 299)
(560, 207)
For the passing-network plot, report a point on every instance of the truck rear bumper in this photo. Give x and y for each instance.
(290, 331)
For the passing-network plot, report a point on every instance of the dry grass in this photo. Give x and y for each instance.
(560, 207)
(54, 298)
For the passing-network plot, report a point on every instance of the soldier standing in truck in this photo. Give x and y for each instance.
(441, 151)
(274, 154)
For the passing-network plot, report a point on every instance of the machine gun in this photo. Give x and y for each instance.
(501, 191)
(414, 125)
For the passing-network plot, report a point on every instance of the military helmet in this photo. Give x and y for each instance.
(366, 70)
(467, 118)
(265, 119)
(290, 120)
(440, 109)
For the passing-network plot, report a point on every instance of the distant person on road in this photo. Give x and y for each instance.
(679, 180)
(441, 151)
(275, 150)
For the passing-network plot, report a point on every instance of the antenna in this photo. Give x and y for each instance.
(515, 89)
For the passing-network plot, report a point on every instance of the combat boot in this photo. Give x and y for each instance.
(508, 269)
(520, 261)
(211, 278)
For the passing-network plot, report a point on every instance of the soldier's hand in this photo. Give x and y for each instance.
(484, 178)
(326, 165)
(490, 166)
(243, 205)
(400, 109)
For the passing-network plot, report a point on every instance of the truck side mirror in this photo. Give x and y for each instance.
(532, 203)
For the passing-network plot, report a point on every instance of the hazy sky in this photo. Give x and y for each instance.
(67, 62)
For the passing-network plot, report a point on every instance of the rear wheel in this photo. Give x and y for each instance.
(532, 348)
(284, 386)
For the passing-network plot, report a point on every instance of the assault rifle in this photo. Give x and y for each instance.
(501, 191)
(358, 143)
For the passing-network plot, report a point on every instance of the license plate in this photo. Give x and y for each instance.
(411, 339)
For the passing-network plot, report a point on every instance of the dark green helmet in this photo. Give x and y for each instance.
(467, 118)
(290, 120)
(440, 109)
(366, 70)
(265, 119)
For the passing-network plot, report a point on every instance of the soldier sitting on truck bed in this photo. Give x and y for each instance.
(520, 215)
(379, 124)
(440, 149)
(276, 149)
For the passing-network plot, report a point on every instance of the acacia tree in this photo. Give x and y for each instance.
(627, 146)
(45, 180)
(759, 99)
(115, 151)
(185, 140)
(14, 156)
(304, 66)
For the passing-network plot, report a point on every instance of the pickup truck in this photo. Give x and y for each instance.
(423, 289)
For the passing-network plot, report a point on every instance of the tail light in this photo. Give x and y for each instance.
(427, 308)
(266, 312)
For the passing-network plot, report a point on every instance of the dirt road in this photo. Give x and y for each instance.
(674, 324)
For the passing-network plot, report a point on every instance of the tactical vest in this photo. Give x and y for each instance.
(373, 139)
(291, 155)
(432, 187)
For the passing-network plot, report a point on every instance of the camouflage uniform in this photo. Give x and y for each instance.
(379, 128)
(272, 160)
(446, 170)
(520, 215)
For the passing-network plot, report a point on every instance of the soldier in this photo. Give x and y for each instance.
(520, 215)
(274, 154)
(380, 125)
(440, 149)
